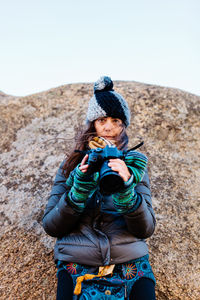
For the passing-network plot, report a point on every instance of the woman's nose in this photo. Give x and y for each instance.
(108, 125)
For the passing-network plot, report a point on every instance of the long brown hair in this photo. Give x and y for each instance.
(83, 138)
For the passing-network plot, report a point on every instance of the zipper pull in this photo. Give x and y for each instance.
(125, 292)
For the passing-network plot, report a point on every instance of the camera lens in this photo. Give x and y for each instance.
(110, 181)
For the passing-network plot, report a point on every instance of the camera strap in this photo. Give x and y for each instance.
(137, 146)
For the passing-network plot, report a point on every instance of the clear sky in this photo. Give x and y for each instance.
(47, 43)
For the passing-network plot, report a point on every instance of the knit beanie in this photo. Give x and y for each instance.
(107, 103)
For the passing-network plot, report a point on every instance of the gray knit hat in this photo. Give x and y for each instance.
(107, 103)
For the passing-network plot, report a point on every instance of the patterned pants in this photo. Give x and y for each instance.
(113, 287)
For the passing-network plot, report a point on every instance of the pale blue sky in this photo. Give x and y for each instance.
(47, 43)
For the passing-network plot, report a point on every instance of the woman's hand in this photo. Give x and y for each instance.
(115, 164)
(83, 166)
(120, 167)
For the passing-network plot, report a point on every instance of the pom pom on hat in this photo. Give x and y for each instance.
(103, 84)
(107, 103)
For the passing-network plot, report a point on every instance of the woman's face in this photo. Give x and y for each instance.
(108, 127)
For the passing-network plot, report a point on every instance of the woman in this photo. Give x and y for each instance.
(100, 250)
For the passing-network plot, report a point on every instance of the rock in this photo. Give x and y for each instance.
(37, 132)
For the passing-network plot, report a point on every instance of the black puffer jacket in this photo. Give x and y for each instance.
(99, 236)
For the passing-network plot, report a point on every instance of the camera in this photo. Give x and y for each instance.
(110, 181)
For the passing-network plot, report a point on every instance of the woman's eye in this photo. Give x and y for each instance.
(116, 121)
(101, 120)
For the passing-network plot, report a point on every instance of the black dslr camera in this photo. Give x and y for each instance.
(110, 181)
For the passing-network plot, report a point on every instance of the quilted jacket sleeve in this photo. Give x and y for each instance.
(59, 218)
(141, 222)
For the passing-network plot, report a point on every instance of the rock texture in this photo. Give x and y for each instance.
(36, 133)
